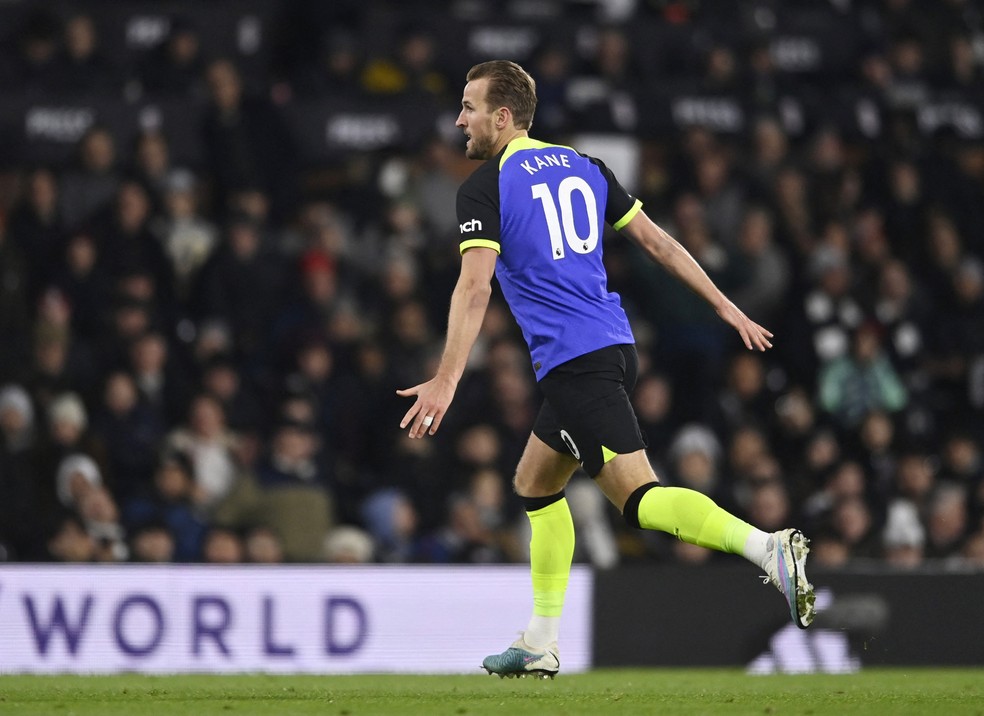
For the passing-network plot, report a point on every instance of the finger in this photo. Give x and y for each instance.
(763, 338)
(410, 416)
(408, 391)
(417, 427)
(429, 421)
(743, 332)
(763, 330)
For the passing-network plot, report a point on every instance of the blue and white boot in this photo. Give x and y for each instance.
(786, 569)
(522, 660)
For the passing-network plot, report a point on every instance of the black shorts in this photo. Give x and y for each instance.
(587, 411)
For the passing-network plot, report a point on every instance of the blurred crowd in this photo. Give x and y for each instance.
(199, 362)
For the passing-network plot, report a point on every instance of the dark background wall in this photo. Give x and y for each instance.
(679, 616)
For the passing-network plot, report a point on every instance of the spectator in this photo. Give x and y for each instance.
(853, 522)
(93, 182)
(906, 212)
(957, 335)
(70, 542)
(33, 65)
(19, 491)
(769, 504)
(187, 238)
(946, 521)
(392, 521)
(828, 549)
(599, 91)
(55, 367)
(795, 428)
(82, 279)
(293, 459)
(962, 462)
(694, 463)
(745, 395)
(158, 376)
(242, 285)
(246, 141)
(903, 537)
(853, 385)
(167, 503)
(915, 479)
(152, 543)
(223, 546)
(14, 308)
(766, 275)
(904, 311)
(80, 488)
(721, 196)
(289, 494)
(152, 164)
(222, 379)
(414, 71)
(82, 68)
(347, 544)
(36, 228)
(127, 246)
(263, 546)
(67, 433)
(653, 402)
(464, 539)
(175, 67)
(878, 450)
(129, 432)
(336, 71)
(211, 446)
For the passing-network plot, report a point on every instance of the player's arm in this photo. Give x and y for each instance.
(667, 251)
(469, 302)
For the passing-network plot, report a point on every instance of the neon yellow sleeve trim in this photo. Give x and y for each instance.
(628, 216)
(480, 243)
(608, 455)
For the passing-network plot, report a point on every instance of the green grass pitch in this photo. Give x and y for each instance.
(635, 691)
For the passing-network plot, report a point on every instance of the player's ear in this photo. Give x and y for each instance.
(503, 117)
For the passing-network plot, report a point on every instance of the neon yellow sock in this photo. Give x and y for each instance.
(693, 517)
(551, 552)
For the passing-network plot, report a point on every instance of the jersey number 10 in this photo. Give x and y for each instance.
(561, 225)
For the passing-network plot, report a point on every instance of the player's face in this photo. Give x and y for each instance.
(476, 121)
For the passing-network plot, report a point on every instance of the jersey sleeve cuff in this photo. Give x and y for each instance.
(479, 243)
(628, 216)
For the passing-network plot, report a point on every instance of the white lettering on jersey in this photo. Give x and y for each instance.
(473, 225)
(549, 160)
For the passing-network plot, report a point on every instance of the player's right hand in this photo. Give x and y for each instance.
(752, 334)
(433, 398)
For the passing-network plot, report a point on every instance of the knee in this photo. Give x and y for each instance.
(524, 485)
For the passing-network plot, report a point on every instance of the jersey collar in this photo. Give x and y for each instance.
(521, 143)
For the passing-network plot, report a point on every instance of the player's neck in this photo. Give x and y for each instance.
(508, 136)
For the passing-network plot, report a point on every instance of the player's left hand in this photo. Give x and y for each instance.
(752, 334)
(433, 399)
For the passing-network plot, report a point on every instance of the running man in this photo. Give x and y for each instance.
(532, 215)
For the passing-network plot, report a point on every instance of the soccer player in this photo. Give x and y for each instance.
(532, 214)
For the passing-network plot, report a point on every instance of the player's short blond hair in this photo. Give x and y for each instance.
(509, 86)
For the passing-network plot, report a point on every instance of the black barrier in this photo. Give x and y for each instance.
(722, 616)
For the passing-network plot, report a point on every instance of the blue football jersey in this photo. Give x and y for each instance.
(543, 207)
